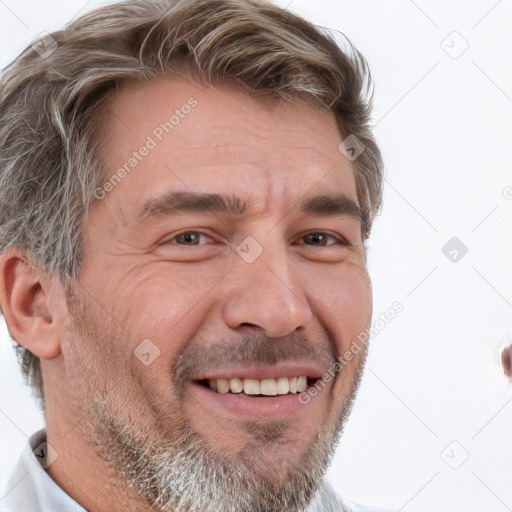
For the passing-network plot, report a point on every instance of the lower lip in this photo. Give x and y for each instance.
(266, 407)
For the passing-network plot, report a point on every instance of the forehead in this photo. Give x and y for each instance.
(173, 134)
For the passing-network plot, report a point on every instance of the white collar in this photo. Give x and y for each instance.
(30, 488)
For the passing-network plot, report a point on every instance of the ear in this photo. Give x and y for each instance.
(28, 305)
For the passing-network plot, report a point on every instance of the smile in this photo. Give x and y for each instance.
(261, 387)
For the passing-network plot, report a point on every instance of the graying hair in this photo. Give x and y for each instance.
(50, 164)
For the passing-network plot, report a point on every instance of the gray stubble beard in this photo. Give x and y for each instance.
(177, 471)
(173, 468)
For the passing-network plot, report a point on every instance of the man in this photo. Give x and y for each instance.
(186, 188)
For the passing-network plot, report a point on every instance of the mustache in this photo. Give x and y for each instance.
(248, 349)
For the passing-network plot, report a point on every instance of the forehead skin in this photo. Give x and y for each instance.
(275, 154)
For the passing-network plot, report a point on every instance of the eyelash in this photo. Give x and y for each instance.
(339, 239)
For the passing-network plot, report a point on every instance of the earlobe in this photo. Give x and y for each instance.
(27, 305)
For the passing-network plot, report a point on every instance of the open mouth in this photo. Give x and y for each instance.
(259, 387)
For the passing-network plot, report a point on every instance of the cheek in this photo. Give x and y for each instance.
(343, 302)
(167, 303)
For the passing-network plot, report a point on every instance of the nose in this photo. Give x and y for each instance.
(267, 294)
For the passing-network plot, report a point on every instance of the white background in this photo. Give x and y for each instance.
(432, 376)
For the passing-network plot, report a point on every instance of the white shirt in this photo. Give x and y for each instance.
(31, 489)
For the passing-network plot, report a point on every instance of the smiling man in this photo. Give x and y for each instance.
(186, 188)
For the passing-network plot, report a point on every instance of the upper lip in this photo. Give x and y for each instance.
(263, 372)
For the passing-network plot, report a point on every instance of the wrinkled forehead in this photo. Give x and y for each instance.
(171, 134)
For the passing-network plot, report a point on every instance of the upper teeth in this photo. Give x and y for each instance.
(280, 386)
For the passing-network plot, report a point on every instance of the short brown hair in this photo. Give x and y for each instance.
(49, 160)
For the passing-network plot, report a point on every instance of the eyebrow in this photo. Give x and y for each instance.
(172, 203)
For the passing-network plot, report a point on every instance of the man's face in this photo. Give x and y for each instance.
(269, 291)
